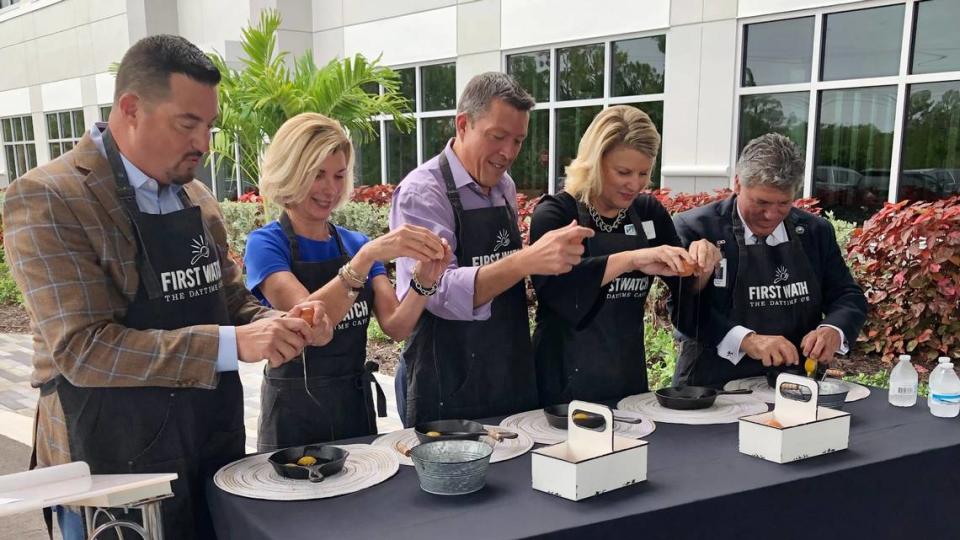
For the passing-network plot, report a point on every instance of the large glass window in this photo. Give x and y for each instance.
(532, 71)
(572, 122)
(530, 171)
(855, 133)
(580, 72)
(777, 52)
(64, 130)
(431, 92)
(931, 149)
(401, 152)
(105, 112)
(637, 66)
(844, 117)
(785, 114)
(936, 45)
(436, 133)
(438, 87)
(862, 43)
(18, 146)
(367, 162)
(597, 75)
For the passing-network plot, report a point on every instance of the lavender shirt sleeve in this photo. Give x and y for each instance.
(420, 201)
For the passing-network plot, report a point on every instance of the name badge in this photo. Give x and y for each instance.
(720, 274)
(629, 229)
(649, 230)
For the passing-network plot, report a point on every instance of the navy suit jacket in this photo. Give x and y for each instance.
(843, 302)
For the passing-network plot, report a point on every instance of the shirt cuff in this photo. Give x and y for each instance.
(227, 359)
(844, 346)
(729, 346)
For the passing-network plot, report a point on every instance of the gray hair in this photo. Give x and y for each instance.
(486, 87)
(771, 160)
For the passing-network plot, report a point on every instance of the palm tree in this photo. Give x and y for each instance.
(257, 99)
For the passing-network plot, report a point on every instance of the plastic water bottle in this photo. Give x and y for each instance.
(944, 400)
(903, 383)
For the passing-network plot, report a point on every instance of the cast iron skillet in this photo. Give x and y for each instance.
(330, 460)
(452, 430)
(687, 398)
(557, 417)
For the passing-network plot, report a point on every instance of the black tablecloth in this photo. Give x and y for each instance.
(900, 478)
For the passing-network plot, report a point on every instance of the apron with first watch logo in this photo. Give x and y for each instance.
(473, 369)
(776, 293)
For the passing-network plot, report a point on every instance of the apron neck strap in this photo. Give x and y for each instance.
(128, 200)
(287, 226)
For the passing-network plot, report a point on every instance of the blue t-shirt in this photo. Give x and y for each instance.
(269, 252)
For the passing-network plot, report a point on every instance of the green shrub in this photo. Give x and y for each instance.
(362, 217)
(241, 219)
(661, 353)
(9, 292)
(844, 230)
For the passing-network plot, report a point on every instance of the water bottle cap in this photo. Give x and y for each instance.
(944, 360)
(904, 357)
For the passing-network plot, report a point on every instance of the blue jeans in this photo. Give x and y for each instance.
(71, 524)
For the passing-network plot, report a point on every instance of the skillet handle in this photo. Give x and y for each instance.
(402, 448)
(734, 392)
(499, 435)
(315, 474)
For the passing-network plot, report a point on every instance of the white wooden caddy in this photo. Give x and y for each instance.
(590, 462)
(808, 429)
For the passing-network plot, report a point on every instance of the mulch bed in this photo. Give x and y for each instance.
(14, 320)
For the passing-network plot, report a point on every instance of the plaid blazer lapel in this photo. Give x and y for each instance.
(99, 178)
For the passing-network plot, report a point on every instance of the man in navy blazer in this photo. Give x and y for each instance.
(781, 292)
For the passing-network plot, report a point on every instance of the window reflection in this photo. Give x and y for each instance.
(785, 114)
(529, 170)
(580, 72)
(863, 43)
(401, 152)
(572, 122)
(937, 43)
(931, 150)
(532, 71)
(778, 52)
(854, 135)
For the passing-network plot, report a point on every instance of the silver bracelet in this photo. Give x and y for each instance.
(421, 289)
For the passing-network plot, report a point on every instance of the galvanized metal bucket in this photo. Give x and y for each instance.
(451, 467)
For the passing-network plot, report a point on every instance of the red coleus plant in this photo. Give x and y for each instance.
(907, 257)
(681, 202)
(379, 195)
(251, 196)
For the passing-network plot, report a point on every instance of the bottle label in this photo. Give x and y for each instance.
(948, 399)
(905, 390)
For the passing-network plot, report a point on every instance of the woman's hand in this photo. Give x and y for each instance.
(706, 255)
(313, 312)
(664, 261)
(428, 273)
(406, 241)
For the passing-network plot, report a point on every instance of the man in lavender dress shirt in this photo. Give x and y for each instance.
(469, 356)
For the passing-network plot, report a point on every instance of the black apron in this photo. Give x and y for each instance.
(605, 360)
(776, 293)
(473, 369)
(337, 373)
(189, 431)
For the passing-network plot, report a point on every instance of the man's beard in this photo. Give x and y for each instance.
(175, 176)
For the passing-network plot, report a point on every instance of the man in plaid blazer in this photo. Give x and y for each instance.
(138, 331)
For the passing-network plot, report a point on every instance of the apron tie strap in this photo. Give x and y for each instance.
(369, 368)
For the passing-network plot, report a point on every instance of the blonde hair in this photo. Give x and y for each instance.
(617, 126)
(295, 155)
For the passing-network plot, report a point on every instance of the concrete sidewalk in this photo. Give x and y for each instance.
(18, 400)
